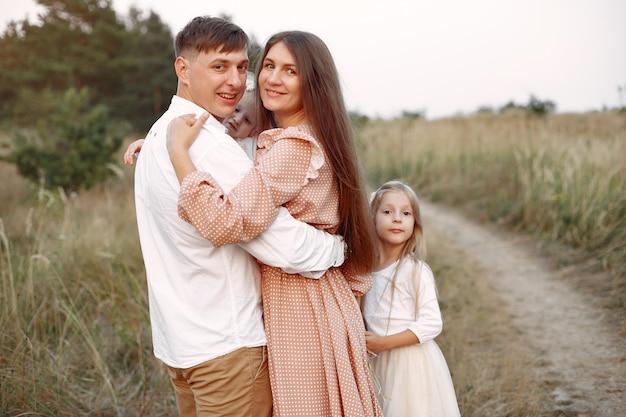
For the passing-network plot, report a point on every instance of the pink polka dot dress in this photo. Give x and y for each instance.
(315, 332)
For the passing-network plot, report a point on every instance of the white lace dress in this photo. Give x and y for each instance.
(414, 380)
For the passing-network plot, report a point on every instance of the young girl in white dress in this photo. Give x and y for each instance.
(402, 313)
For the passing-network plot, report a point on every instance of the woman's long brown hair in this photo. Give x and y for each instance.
(327, 114)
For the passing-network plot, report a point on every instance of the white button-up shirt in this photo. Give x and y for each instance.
(204, 301)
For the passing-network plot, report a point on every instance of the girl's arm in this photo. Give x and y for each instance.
(132, 149)
(376, 343)
(428, 323)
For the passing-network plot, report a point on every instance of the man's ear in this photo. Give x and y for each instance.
(181, 66)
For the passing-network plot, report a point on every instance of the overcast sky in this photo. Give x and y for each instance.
(440, 57)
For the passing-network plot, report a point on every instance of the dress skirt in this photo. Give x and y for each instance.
(414, 381)
(316, 346)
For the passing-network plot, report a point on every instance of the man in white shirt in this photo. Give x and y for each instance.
(205, 302)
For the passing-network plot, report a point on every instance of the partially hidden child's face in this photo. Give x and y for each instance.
(395, 218)
(242, 122)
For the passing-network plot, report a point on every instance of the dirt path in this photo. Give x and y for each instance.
(579, 356)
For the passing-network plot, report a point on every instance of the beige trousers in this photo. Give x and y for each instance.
(233, 385)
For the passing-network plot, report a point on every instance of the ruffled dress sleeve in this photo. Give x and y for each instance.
(289, 158)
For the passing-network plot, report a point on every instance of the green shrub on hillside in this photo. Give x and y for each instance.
(72, 147)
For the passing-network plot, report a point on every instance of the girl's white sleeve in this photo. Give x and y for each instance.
(429, 323)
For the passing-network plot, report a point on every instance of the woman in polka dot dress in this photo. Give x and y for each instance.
(307, 163)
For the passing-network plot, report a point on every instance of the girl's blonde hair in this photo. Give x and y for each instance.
(415, 247)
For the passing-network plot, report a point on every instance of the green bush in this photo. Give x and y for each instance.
(72, 147)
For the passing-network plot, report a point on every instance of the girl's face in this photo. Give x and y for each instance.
(242, 122)
(280, 86)
(394, 219)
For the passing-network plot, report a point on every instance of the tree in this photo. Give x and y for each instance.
(540, 107)
(126, 63)
(72, 148)
(148, 76)
(254, 53)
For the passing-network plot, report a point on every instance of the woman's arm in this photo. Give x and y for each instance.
(251, 206)
(181, 133)
(291, 245)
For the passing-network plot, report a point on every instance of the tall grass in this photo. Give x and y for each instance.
(560, 177)
(75, 328)
(74, 325)
(75, 337)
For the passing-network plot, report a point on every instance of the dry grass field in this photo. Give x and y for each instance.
(561, 178)
(73, 308)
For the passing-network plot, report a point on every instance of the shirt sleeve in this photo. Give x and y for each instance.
(251, 206)
(296, 247)
(428, 323)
